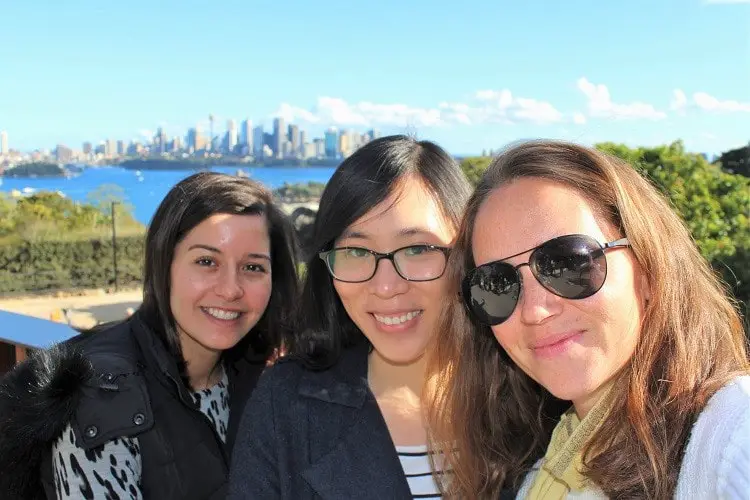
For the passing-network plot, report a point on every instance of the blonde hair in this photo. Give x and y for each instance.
(498, 421)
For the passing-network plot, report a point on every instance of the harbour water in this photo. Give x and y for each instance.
(144, 190)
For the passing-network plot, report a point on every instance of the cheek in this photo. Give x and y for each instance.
(258, 294)
(348, 293)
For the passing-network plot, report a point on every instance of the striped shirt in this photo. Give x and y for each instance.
(415, 461)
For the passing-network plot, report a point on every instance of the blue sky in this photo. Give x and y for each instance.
(470, 75)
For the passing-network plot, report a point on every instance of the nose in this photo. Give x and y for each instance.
(228, 286)
(387, 282)
(536, 303)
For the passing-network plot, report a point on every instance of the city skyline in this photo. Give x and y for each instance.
(282, 141)
(474, 78)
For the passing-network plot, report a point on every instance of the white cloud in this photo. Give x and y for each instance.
(600, 104)
(679, 101)
(579, 119)
(708, 102)
(501, 106)
(488, 106)
(291, 113)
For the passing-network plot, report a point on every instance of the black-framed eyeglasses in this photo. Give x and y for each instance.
(413, 262)
(572, 266)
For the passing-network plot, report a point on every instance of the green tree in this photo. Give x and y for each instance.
(736, 161)
(103, 197)
(474, 167)
(714, 204)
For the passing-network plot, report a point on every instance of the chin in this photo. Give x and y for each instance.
(400, 357)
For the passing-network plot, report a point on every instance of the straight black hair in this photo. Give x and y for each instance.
(190, 202)
(361, 182)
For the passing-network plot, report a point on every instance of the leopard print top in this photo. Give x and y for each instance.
(113, 470)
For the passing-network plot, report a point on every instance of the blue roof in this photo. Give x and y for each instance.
(29, 331)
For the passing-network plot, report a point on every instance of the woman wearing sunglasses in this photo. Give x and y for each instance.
(579, 283)
(340, 416)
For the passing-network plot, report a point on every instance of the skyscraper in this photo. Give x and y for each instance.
(332, 142)
(231, 136)
(4, 143)
(279, 136)
(258, 141)
(294, 139)
(247, 135)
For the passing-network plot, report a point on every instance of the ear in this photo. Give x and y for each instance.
(645, 287)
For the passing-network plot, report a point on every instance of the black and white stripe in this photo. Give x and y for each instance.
(415, 460)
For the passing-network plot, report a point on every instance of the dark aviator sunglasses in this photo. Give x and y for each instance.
(572, 266)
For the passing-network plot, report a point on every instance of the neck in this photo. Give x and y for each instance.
(582, 406)
(391, 379)
(201, 366)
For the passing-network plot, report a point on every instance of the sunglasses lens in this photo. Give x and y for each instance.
(491, 292)
(573, 267)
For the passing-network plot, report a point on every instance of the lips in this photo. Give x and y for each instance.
(555, 339)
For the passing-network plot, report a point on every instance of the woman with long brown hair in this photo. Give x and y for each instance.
(579, 283)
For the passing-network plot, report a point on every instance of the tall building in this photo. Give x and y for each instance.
(4, 150)
(87, 148)
(110, 148)
(294, 139)
(247, 134)
(345, 143)
(320, 148)
(258, 141)
(231, 136)
(332, 142)
(63, 153)
(191, 141)
(121, 148)
(279, 135)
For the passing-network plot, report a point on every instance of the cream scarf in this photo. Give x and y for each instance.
(562, 466)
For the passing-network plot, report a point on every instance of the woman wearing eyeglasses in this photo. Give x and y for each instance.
(341, 416)
(581, 284)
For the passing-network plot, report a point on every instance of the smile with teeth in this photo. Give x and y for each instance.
(221, 313)
(397, 320)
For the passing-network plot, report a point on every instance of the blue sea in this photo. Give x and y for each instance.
(144, 190)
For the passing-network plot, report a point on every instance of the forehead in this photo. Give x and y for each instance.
(410, 205)
(529, 211)
(218, 230)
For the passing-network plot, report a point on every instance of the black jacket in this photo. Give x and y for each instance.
(115, 383)
(316, 435)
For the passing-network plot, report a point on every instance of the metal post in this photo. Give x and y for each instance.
(114, 242)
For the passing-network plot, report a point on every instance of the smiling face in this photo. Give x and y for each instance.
(571, 347)
(220, 282)
(396, 315)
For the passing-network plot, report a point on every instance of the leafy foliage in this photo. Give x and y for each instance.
(300, 192)
(62, 265)
(47, 215)
(736, 161)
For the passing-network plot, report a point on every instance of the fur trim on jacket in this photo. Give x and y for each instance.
(37, 400)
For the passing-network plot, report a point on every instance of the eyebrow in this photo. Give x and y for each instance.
(407, 231)
(216, 250)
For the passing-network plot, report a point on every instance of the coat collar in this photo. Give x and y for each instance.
(360, 459)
